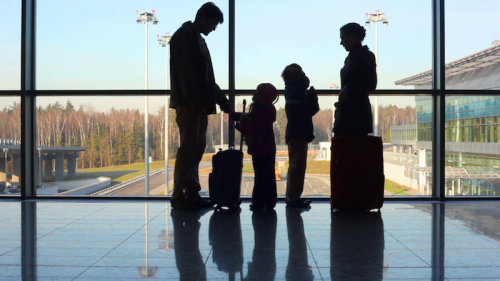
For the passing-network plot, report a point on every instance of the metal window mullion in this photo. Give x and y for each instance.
(439, 103)
(438, 241)
(232, 87)
(28, 41)
(29, 241)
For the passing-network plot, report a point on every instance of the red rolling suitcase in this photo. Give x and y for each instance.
(357, 173)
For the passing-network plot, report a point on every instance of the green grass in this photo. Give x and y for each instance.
(395, 188)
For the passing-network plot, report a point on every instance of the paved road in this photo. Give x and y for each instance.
(314, 185)
(156, 183)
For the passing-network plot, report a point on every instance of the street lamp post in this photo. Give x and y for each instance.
(40, 166)
(6, 151)
(164, 41)
(376, 18)
(146, 18)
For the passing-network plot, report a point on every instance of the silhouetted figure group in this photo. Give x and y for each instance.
(195, 93)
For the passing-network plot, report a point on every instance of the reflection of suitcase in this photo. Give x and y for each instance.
(357, 238)
(357, 173)
(227, 242)
(224, 183)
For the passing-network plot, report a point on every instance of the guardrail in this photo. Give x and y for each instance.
(124, 185)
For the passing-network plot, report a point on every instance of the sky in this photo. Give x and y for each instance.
(97, 44)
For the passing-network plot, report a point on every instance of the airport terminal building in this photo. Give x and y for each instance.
(472, 129)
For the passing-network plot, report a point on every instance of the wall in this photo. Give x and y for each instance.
(87, 189)
(396, 173)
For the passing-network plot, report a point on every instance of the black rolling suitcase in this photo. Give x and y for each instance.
(224, 183)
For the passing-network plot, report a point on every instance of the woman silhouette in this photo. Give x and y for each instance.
(353, 114)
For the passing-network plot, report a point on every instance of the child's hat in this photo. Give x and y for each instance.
(266, 93)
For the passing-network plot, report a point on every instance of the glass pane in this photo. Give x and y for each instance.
(10, 146)
(472, 60)
(309, 35)
(92, 44)
(95, 145)
(10, 45)
(472, 142)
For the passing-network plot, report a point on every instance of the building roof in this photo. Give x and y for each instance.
(472, 62)
(461, 173)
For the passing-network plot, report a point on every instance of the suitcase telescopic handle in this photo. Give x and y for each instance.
(241, 140)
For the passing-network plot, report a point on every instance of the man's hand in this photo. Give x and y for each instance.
(344, 94)
(198, 109)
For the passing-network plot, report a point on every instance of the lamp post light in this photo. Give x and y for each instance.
(376, 18)
(164, 41)
(146, 18)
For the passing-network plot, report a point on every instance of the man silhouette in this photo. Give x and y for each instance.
(194, 96)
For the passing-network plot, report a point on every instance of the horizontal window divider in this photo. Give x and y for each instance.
(397, 199)
(337, 92)
(45, 93)
(472, 92)
(13, 93)
(241, 92)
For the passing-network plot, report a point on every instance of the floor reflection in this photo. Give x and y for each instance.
(263, 264)
(186, 242)
(226, 240)
(357, 246)
(128, 241)
(298, 267)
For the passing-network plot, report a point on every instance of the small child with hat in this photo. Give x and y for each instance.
(257, 127)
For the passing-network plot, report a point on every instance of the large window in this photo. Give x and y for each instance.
(273, 34)
(10, 45)
(95, 45)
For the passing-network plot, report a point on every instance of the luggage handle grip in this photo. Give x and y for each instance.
(241, 140)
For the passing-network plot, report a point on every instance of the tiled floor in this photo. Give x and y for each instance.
(129, 241)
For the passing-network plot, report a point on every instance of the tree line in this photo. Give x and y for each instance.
(117, 137)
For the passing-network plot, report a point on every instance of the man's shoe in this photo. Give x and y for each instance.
(201, 203)
(191, 205)
(299, 204)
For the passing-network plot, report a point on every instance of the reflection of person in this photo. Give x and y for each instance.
(357, 246)
(226, 240)
(353, 114)
(186, 244)
(298, 266)
(299, 108)
(257, 126)
(194, 96)
(263, 264)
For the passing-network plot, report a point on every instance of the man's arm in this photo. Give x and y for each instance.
(221, 100)
(184, 66)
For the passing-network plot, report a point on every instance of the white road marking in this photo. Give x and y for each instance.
(324, 187)
(247, 182)
(309, 184)
(315, 191)
(245, 191)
